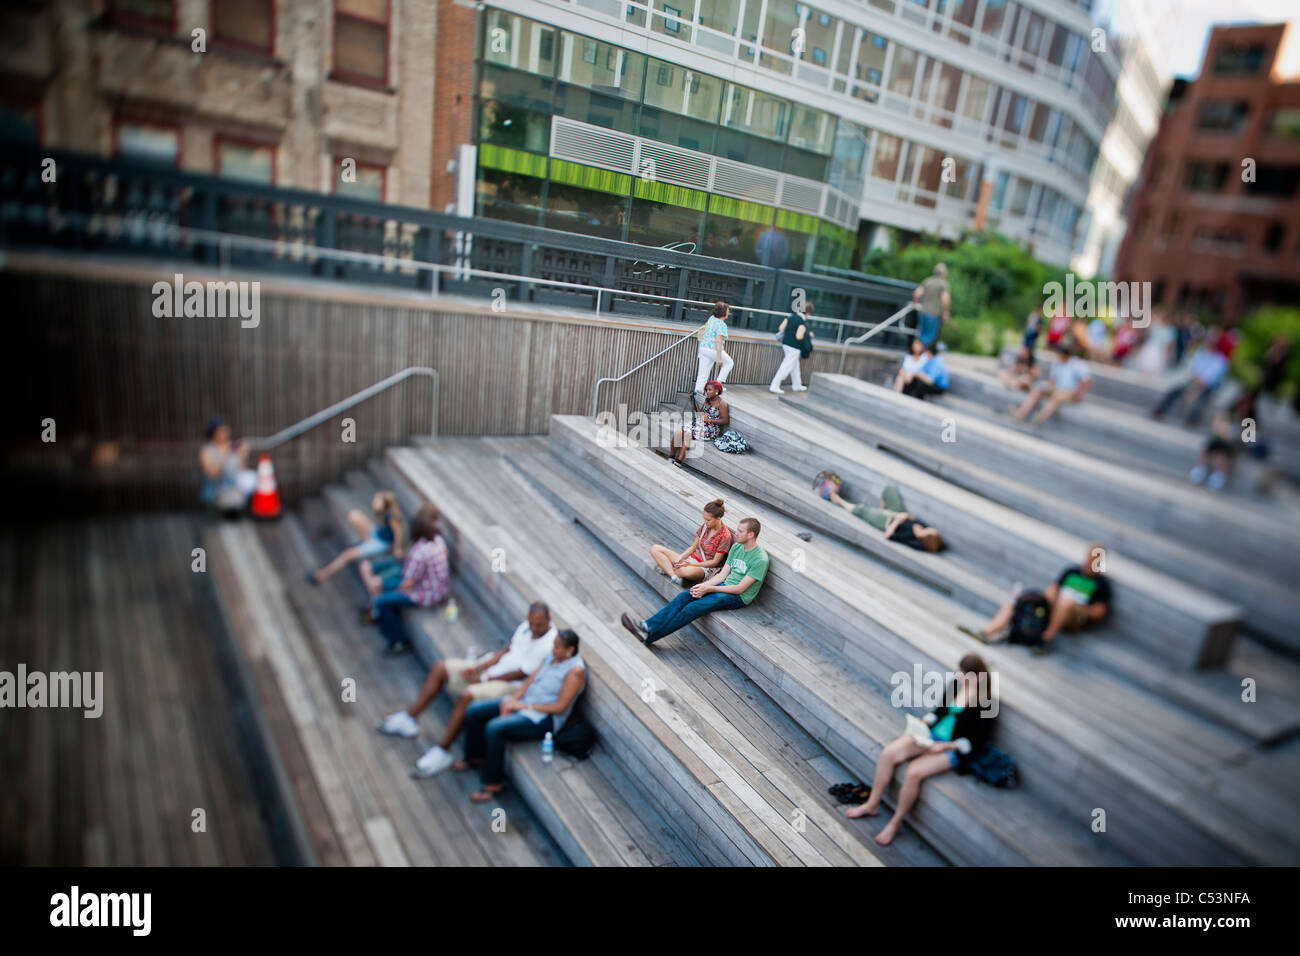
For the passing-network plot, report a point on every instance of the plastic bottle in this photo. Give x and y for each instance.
(453, 611)
(548, 748)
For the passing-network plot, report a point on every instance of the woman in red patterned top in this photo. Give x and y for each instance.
(706, 553)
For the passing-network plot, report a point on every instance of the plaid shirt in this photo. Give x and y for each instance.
(429, 571)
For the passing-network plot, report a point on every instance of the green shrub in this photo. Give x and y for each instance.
(1258, 330)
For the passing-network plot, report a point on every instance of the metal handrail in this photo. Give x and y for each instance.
(225, 241)
(595, 391)
(859, 339)
(325, 414)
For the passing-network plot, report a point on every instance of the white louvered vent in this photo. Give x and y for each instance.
(677, 166)
(582, 143)
(800, 195)
(744, 182)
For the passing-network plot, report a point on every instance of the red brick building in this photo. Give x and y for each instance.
(1215, 218)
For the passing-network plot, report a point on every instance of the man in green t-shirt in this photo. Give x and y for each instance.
(735, 585)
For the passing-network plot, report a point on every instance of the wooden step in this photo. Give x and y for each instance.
(1114, 762)
(1268, 606)
(1194, 516)
(736, 802)
(590, 808)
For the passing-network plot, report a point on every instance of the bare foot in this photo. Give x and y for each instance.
(861, 810)
(460, 766)
(886, 836)
(487, 793)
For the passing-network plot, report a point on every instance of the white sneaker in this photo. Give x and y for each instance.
(400, 724)
(1217, 481)
(1198, 474)
(434, 761)
(676, 579)
(799, 388)
(775, 390)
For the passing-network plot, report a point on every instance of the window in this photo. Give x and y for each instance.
(600, 66)
(884, 165)
(519, 44)
(1274, 236)
(245, 24)
(1284, 123)
(1275, 181)
(1206, 177)
(903, 73)
(361, 41)
(359, 180)
(508, 195)
(504, 124)
(1222, 117)
(753, 112)
(153, 14)
(150, 143)
(250, 162)
(1237, 59)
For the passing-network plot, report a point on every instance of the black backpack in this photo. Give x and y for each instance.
(1029, 619)
(576, 738)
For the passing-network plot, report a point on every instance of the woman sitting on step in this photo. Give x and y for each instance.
(539, 707)
(713, 427)
(958, 731)
(891, 518)
(705, 554)
(379, 538)
(423, 581)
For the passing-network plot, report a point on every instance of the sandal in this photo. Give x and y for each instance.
(484, 795)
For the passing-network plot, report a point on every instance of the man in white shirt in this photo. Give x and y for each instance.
(1209, 367)
(488, 678)
(1068, 381)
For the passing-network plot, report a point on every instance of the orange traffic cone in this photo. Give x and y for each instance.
(266, 499)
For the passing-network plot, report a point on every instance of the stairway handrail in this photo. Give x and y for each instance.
(595, 391)
(325, 414)
(859, 339)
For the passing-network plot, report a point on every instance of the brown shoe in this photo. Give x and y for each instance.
(637, 630)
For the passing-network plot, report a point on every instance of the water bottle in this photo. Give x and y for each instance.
(453, 611)
(548, 748)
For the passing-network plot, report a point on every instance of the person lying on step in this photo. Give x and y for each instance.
(891, 517)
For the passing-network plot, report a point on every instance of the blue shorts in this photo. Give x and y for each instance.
(374, 546)
(954, 759)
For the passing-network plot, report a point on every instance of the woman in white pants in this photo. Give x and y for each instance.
(715, 333)
(792, 345)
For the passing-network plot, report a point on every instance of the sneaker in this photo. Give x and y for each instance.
(1041, 650)
(1198, 474)
(775, 390)
(799, 388)
(675, 578)
(677, 463)
(434, 761)
(400, 724)
(401, 647)
(366, 616)
(636, 627)
(311, 578)
(660, 571)
(1217, 481)
(972, 632)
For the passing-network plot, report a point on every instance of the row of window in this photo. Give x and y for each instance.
(930, 89)
(1219, 238)
(1218, 116)
(792, 33)
(239, 159)
(361, 30)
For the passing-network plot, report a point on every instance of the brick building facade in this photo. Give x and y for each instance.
(1215, 221)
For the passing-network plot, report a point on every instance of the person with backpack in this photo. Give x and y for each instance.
(794, 340)
(540, 706)
(1081, 597)
(960, 731)
(489, 678)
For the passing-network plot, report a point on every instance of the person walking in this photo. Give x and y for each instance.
(794, 338)
(933, 299)
(711, 352)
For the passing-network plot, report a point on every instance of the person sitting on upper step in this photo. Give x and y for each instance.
(1080, 598)
(959, 730)
(891, 517)
(539, 706)
(489, 678)
(705, 553)
(735, 585)
(913, 362)
(1069, 379)
(1021, 375)
(714, 426)
(931, 378)
(381, 537)
(423, 581)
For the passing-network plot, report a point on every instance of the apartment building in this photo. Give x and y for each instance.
(1215, 224)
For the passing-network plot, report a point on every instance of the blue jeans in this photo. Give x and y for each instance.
(388, 615)
(927, 327)
(487, 732)
(1198, 404)
(683, 609)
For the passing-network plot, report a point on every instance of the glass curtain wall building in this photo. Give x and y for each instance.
(772, 131)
